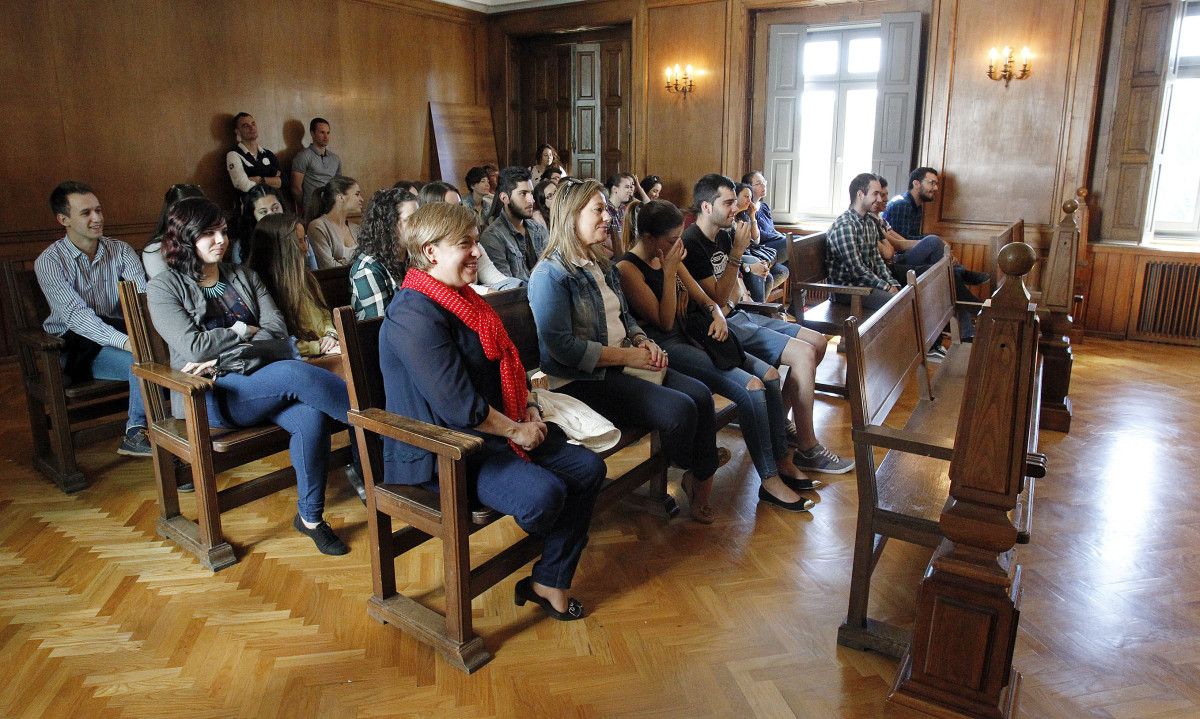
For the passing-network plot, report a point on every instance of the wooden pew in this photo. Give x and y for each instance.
(968, 603)
(448, 515)
(902, 497)
(335, 285)
(811, 295)
(191, 446)
(61, 415)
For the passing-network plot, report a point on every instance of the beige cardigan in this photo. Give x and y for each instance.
(327, 245)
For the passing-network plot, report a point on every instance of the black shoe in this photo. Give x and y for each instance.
(801, 485)
(524, 593)
(135, 444)
(187, 487)
(800, 505)
(322, 535)
(355, 479)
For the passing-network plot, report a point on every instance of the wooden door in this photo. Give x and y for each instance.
(585, 110)
(615, 120)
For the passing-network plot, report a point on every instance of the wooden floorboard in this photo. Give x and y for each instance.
(101, 618)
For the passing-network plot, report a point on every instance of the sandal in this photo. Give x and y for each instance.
(702, 513)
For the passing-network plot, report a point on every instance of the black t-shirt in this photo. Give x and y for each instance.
(708, 258)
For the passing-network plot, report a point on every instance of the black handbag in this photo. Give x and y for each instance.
(725, 354)
(248, 357)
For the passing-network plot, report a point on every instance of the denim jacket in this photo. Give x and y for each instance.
(569, 312)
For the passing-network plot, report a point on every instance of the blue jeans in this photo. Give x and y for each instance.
(926, 252)
(309, 402)
(681, 409)
(551, 497)
(757, 286)
(760, 411)
(116, 364)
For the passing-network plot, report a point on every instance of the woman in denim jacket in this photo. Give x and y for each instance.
(589, 342)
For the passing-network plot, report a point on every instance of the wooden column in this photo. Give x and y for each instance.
(968, 604)
(1055, 309)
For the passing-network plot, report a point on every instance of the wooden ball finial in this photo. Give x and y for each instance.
(1070, 206)
(1016, 259)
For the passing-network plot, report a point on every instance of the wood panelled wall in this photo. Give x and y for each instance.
(134, 96)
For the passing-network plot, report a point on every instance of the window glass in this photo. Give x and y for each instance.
(820, 58)
(817, 108)
(1179, 177)
(864, 55)
(858, 136)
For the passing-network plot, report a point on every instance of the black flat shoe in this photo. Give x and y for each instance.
(524, 593)
(801, 505)
(801, 485)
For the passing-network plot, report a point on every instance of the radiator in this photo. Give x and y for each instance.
(1169, 310)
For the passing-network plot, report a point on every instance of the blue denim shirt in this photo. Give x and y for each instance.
(569, 312)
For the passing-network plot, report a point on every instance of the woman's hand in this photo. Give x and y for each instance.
(646, 356)
(200, 369)
(719, 329)
(658, 356)
(330, 346)
(672, 258)
(528, 435)
(251, 330)
(760, 268)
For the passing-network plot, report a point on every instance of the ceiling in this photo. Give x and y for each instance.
(497, 6)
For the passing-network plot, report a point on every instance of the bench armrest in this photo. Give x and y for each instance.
(769, 309)
(172, 379)
(40, 340)
(905, 441)
(837, 289)
(441, 441)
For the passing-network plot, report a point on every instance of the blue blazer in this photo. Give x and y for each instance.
(433, 370)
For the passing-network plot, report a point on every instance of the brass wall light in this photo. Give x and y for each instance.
(680, 81)
(1005, 71)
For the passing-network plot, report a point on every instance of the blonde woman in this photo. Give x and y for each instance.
(446, 359)
(587, 337)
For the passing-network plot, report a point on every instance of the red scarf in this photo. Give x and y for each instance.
(479, 316)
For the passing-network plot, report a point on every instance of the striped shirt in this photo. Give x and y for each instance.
(81, 291)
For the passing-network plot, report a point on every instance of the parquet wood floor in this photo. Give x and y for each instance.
(100, 618)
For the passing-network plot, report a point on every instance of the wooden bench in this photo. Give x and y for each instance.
(968, 602)
(812, 296)
(190, 446)
(448, 515)
(61, 415)
(903, 496)
(335, 285)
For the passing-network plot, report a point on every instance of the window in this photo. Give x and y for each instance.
(829, 93)
(1176, 198)
(837, 117)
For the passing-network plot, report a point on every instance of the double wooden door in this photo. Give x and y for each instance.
(574, 92)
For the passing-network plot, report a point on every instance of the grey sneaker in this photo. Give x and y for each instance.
(819, 459)
(936, 354)
(135, 444)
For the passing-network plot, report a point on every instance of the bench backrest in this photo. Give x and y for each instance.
(25, 304)
(935, 299)
(335, 285)
(513, 308)
(360, 358)
(806, 263)
(146, 344)
(880, 354)
(1013, 233)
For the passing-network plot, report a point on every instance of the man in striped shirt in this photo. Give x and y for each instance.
(79, 275)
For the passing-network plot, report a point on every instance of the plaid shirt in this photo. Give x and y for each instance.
(371, 287)
(852, 252)
(81, 291)
(904, 216)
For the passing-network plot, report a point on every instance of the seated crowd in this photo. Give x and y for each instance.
(636, 314)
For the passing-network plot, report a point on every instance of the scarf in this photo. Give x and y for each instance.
(481, 319)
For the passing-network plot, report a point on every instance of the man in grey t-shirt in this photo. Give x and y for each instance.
(315, 165)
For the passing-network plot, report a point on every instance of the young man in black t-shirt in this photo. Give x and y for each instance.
(711, 243)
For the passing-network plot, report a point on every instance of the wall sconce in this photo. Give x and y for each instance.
(1006, 70)
(680, 81)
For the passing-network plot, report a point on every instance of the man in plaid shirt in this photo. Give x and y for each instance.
(852, 246)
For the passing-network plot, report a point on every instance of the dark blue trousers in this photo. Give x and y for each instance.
(309, 402)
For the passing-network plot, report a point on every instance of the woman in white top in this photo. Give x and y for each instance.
(331, 235)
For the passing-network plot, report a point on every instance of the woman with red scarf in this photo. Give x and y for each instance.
(447, 360)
